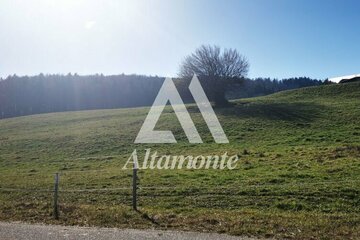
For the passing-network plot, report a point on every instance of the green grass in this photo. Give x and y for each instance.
(298, 175)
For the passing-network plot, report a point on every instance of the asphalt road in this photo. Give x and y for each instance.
(19, 231)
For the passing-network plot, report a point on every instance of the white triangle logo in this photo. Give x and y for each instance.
(168, 92)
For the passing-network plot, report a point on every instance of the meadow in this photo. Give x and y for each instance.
(298, 175)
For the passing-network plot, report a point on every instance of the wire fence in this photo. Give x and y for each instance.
(242, 186)
(135, 189)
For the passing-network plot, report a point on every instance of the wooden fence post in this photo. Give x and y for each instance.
(134, 187)
(56, 190)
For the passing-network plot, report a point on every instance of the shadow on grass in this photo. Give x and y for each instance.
(292, 112)
(147, 217)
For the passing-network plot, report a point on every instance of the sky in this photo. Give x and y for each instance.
(280, 38)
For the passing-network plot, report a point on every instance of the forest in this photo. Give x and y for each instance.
(26, 95)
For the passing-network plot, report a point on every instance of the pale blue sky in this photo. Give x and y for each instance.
(281, 38)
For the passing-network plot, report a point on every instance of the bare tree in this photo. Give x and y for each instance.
(216, 69)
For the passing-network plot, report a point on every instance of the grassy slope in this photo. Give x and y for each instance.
(298, 175)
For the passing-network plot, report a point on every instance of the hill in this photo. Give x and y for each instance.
(298, 175)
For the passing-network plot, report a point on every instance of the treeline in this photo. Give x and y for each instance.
(56, 93)
(264, 86)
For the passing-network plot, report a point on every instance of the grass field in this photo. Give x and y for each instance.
(298, 175)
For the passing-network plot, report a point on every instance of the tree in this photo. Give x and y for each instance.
(216, 69)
